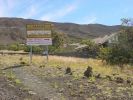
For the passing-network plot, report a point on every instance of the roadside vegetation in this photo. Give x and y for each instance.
(121, 52)
(105, 72)
(71, 77)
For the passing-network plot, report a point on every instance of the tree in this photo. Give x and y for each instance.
(58, 40)
(126, 34)
(104, 53)
(91, 49)
(121, 52)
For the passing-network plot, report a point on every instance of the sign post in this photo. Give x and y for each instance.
(47, 52)
(30, 54)
(39, 34)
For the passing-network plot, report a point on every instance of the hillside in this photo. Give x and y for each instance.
(13, 29)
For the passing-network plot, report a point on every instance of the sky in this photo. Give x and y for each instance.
(108, 12)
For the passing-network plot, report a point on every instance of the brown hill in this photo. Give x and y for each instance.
(14, 30)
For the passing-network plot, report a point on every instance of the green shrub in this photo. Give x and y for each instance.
(13, 47)
(90, 50)
(58, 40)
(115, 55)
(121, 52)
(35, 49)
(104, 53)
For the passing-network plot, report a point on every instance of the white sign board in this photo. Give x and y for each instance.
(39, 34)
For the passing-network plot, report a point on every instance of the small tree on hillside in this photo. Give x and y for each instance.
(58, 40)
(91, 49)
(121, 52)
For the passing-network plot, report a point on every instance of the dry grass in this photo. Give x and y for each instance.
(81, 64)
(54, 61)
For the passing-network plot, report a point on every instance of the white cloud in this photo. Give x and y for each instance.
(59, 13)
(2, 8)
(88, 20)
(6, 7)
(30, 12)
(91, 19)
(33, 9)
(11, 3)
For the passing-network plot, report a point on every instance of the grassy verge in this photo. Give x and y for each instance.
(55, 61)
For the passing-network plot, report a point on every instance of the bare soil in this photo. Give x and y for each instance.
(53, 84)
(9, 91)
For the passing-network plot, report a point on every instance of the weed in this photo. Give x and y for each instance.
(92, 79)
(55, 85)
(17, 81)
(42, 66)
(10, 75)
(81, 88)
(23, 63)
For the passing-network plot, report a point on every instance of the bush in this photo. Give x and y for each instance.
(115, 55)
(13, 47)
(35, 49)
(58, 40)
(121, 52)
(3, 47)
(90, 50)
(104, 53)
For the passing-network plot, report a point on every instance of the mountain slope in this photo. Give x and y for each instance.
(13, 29)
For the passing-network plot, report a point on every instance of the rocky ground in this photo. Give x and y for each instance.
(9, 91)
(23, 82)
(96, 87)
(55, 84)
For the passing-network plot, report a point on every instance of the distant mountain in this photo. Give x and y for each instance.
(14, 29)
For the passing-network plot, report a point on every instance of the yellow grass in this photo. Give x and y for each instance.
(54, 61)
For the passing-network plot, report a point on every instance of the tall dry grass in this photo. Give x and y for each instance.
(54, 61)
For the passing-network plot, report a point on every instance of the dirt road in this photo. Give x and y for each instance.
(8, 91)
(40, 87)
(51, 83)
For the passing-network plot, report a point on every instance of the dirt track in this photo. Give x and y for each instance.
(49, 87)
(41, 87)
(9, 91)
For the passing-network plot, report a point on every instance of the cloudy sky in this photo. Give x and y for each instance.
(107, 12)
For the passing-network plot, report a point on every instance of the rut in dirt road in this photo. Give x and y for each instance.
(41, 87)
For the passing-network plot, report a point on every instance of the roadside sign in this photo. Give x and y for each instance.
(39, 34)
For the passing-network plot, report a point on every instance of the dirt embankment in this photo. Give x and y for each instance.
(60, 82)
(54, 84)
(9, 91)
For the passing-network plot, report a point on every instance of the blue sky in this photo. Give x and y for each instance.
(108, 12)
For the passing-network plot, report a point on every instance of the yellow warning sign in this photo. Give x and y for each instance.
(39, 27)
(39, 34)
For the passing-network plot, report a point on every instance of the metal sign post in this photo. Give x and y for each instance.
(47, 52)
(30, 54)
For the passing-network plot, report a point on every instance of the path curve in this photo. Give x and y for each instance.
(41, 87)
